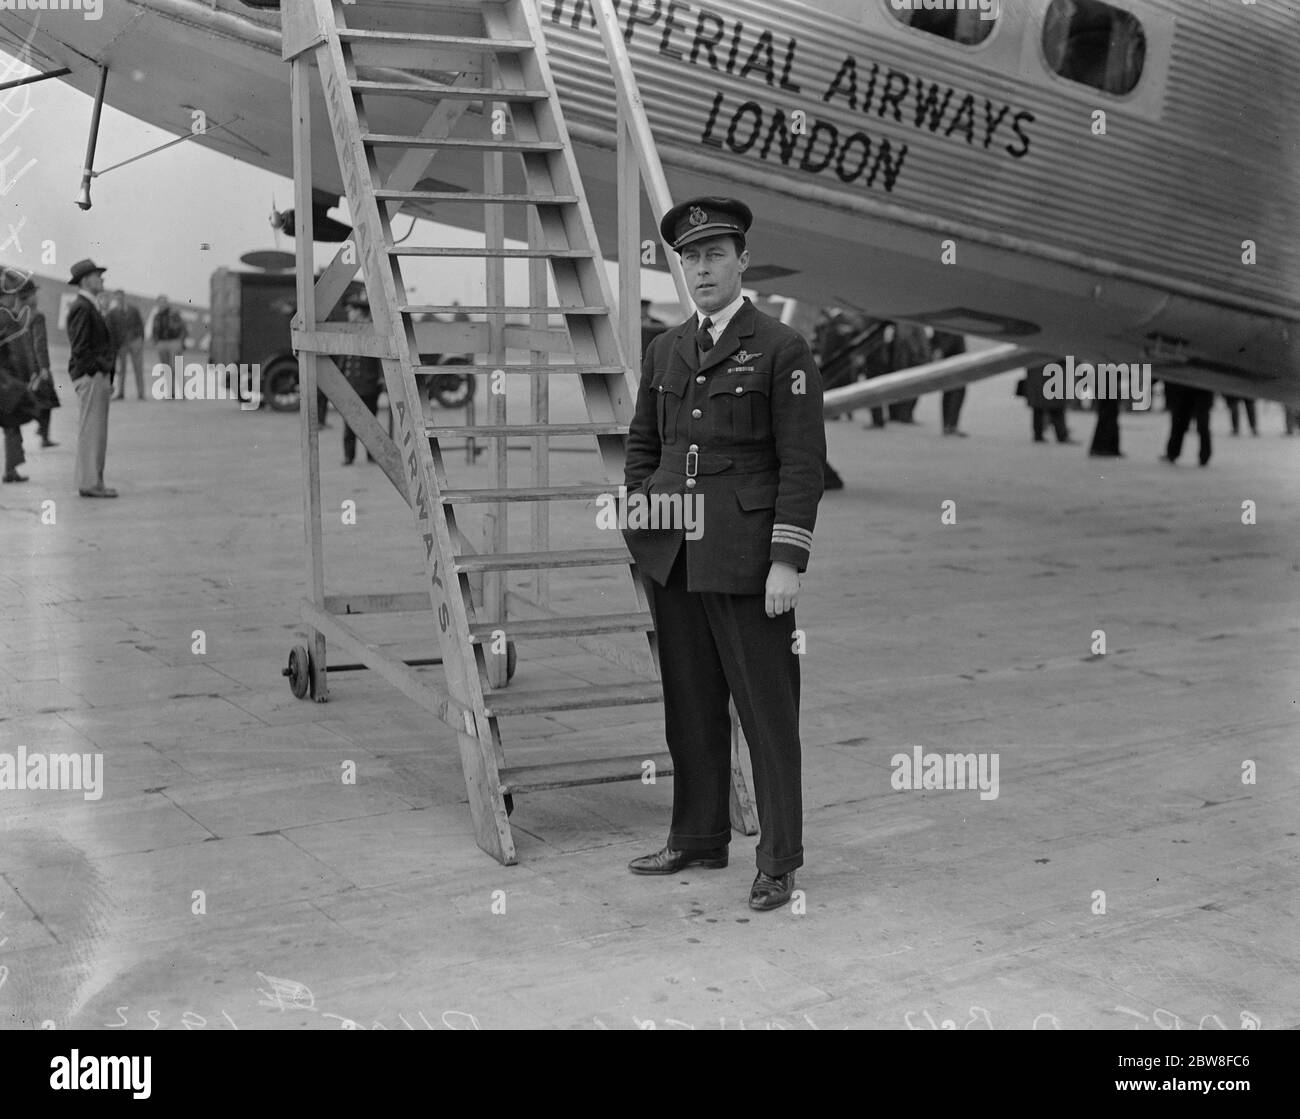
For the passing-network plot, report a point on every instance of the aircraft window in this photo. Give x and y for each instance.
(968, 22)
(1094, 44)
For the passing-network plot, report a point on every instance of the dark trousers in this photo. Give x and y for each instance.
(1232, 402)
(1056, 416)
(1188, 405)
(1105, 437)
(901, 410)
(14, 456)
(713, 647)
(371, 401)
(952, 402)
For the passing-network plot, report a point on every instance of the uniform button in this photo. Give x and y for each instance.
(693, 447)
(740, 388)
(696, 414)
(700, 379)
(690, 483)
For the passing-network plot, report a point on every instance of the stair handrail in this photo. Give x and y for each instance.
(632, 117)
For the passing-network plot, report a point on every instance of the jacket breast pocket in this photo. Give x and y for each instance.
(741, 406)
(669, 388)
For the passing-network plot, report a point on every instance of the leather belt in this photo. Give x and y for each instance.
(691, 463)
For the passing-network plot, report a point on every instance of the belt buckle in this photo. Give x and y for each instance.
(692, 463)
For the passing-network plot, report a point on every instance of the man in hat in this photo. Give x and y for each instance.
(91, 367)
(364, 374)
(728, 419)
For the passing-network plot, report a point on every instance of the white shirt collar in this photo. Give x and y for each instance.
(723, 317)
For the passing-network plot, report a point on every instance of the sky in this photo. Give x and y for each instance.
(160, 225)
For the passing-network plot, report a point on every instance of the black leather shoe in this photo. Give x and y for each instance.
(48, 443)
(771, 893)
(14, 476)
(669, 861)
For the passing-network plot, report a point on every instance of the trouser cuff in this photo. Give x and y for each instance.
(679, 842)
(778, 867)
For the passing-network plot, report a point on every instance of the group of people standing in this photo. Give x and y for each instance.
(1186, 406)
(855, 347)
(103, 341)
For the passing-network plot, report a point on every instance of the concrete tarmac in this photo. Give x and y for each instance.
(1137, 867)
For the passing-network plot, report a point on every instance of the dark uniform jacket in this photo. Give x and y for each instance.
(92, 347)
(734, 428)
(168, 325)
(364, 374)
(1035, 390)
(124, 324)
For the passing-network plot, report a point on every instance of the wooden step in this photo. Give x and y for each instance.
(426, 39)
(539, 561)
(527, 493)
(628, 694)
(505, 431)
(515, 370)
(482, 309)
(475, 196)
(592, 771)
(522, 629)
(451, 92)
(521, 254)
(390, 140)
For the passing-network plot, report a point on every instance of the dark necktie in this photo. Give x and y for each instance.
(704, 340)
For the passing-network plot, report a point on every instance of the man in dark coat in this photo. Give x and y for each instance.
(16, 404)
(26, 356)
(728, 429)
(91, 366)
(1044, 409)
(1185, 405)
(945, 345)
(127, 328)
(364, 374)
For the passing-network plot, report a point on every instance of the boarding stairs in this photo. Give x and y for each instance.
(449, 57)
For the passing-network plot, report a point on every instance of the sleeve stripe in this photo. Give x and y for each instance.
(792, 542)
(793, 531)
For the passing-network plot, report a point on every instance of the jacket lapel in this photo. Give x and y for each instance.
(741, 326)
(685, 348)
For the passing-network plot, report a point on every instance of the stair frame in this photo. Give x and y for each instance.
(559, 222)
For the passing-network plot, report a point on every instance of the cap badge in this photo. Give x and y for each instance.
(698, 216)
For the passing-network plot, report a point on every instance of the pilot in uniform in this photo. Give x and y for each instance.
(730, 413)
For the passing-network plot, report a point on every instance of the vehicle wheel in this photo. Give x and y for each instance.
(280, 385)
(452, 390)
(299, 671)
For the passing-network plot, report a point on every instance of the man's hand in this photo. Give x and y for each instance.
(782, 589)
